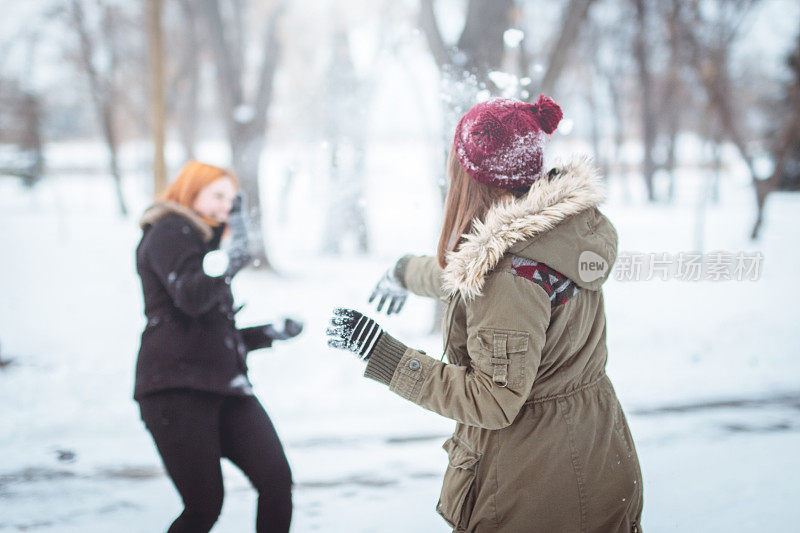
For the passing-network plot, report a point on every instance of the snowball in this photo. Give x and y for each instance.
(513, 37)
(244, 113)
(215, 263)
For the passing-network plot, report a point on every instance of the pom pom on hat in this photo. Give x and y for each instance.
(548, 112)
(500, 141)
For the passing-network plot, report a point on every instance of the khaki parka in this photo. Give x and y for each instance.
(541, 442)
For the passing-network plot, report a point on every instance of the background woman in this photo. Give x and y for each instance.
(191, 375)
(541, 442)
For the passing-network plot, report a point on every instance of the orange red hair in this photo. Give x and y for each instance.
(193, 177)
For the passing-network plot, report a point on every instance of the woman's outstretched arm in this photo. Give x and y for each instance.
(506, 330)
(421, 275)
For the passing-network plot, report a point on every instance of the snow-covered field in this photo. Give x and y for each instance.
(709, 372)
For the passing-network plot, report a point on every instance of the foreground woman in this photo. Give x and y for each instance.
(541, 443)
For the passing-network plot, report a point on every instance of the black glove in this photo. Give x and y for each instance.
(256, 337)
(350, 330)
(237, 220)
(291, 328)
(239, 250)
(238, 258)
(390, 288)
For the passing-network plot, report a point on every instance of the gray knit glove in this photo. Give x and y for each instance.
(390, 288)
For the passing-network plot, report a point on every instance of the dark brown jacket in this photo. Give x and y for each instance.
(190, 340)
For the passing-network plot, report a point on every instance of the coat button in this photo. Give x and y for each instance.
(413, 364)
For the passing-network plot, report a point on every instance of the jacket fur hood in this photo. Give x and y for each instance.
(556, 223)
(162, 208)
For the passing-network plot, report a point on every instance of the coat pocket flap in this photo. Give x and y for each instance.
(502, 354)
(459, 455)
(516, 341)
(457, 498)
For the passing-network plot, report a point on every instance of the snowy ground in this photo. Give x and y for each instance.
(708, 372)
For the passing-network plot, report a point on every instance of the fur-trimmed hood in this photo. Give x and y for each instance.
(162, 208)
(556, 223)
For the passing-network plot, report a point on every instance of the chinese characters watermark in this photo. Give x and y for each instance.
(688, 266)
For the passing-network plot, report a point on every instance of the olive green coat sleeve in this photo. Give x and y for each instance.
(506, 329)
(422, 276)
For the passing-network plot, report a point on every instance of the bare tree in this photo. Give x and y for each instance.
(480, 47)
(351, 89)
(156, 40)
(601, 65)
(607, 49)
(673, 95)
(648, 111)
(346, 138)
(709, 43)
(788, 138)
(245, 118)
(21, 132)
(102, 86)
(465, 66)
(21, 111)
(183, 73)
(573, 16)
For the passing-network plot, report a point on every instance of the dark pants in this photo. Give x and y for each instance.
(193, 430)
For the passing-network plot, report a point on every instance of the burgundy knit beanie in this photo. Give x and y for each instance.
(500, 141)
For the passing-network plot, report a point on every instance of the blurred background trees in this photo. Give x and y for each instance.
(649, 89)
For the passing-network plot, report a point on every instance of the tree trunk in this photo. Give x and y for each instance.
(615, 95)
(110, 136)
(642, 53)
(246, 152)
(669, 164)
(711, 65)
(673, 98)
(788, 139)
(594, 131)
(246, 124)
(154, 8)
(481, 41)
(573, 16)
(332, 237)
(357, 217)
(102, 98)
(344, 128)
(188, 85)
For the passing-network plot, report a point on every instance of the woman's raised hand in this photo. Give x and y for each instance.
(390, 289)
(350, 330)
